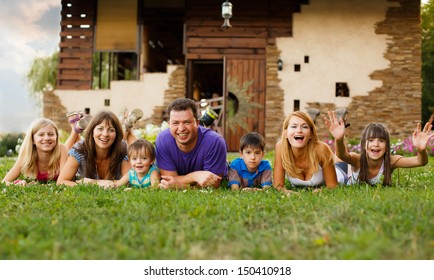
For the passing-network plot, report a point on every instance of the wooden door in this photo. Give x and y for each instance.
(245, 102)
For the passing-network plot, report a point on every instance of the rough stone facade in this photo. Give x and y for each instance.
(54, 110)
(177, 89)
(397, 103)
(274, 113)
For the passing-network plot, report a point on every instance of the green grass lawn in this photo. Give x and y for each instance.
(86, 222)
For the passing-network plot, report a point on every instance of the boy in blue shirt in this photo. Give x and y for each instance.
(250, 171)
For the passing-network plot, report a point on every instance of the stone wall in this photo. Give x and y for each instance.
(274, 113)
(397, 104)
(54, 110)
(177, 89)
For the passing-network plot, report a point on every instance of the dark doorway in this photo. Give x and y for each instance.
(205, 86)
(206, 79)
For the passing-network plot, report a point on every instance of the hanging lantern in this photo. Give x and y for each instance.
(226, 14)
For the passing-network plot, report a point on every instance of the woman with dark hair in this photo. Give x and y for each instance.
(375, 164)
(101, 158)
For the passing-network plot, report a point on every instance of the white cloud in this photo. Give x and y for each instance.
(20, 28)
(28, 29)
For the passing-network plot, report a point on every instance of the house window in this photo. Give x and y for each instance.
(342, 90)
(296, 105)
(106, 102)
(113, 66)
(297, 68)
(306, 59)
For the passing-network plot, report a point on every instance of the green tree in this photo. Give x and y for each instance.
(42, 73)
(427, 22)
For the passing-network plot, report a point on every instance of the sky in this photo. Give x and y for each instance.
(28, 29)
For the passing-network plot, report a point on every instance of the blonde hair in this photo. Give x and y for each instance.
(29, 154)
(313, 159)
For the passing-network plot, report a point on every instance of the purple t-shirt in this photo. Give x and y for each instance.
(209, 153)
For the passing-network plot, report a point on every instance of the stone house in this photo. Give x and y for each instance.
(363, 56)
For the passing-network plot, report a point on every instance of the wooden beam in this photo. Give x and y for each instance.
(226, 42)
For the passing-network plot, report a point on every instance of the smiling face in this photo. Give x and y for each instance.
(104, 134)
(141, 161)
(298, 132)
(183, 127)
(45, 139)
(375, 148)
(375, 142)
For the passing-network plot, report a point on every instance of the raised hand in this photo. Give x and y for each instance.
(335, 126)
(420, 138)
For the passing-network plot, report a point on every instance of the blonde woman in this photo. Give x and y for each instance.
(302, 157)
(41, 156)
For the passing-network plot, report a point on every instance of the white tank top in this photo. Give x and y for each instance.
(353, 178)
(317, 179)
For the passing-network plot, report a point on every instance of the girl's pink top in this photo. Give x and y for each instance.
(43, 177)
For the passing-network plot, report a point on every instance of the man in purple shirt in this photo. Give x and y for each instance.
(188, 154)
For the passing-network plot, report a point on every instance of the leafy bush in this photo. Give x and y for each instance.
(150, 132)
(63, 135)
(10, 143)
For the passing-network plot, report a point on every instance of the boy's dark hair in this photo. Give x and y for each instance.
(182, 104)
(252, 139)
(138, 145)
